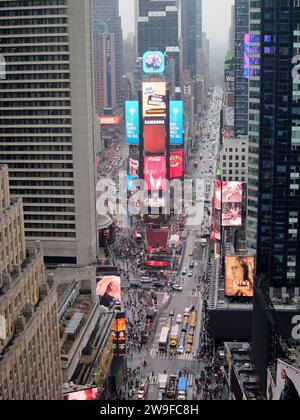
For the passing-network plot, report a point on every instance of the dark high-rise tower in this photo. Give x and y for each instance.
(191, 25)
(107, 12)
(159, 29)
(274, 142)
(241, 81)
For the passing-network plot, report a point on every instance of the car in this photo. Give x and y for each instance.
(187, 312)
(180, 350)
(191, 253)
(190, 274)
(184, 328)
(192, 264)
(190, 340)
(184, 271)
(171, 314)
(188, 348)
(177, 287)
(179, 319)
(141, 395)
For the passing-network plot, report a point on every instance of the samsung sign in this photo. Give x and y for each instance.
(153, 62)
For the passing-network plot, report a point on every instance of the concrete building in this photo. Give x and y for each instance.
(129, 53)
(29, 341)
(106, 12)
(234, 160)
(47, 135)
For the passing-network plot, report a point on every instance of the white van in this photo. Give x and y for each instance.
(179, 319)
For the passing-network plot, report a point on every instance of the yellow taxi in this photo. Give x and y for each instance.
(190, 340)
(188, 348)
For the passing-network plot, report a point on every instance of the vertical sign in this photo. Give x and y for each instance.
(176, 122)
(132, 123)
(247, 57)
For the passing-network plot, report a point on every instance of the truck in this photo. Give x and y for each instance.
(174, 335)
(172, 387)
(182, 389)
(162, 382)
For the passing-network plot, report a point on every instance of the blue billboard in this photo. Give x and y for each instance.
(132, 122)
(153, 62)
(176, 123)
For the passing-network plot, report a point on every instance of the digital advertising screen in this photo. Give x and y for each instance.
(154, 100)
(153, 62)
(108, 291)
(176, 164)
(134, 167)
(90, 394)
(154, 139)
(232, 192)
(218, 197)
(155, 173)
(239, 276)
(229, 116)
(288, 383)
(232, 198)
(132, 123)
(247, 56)
(119, 335)
(129, 182)
(176, 123)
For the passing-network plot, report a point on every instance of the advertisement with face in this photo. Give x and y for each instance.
(176, 164)
(153, 62)
(239, 276)
(176, 122)
(232, 192)
(232, 215)
(154, 100)
(108, 291)
(154, 139)
(134, 167)
(155, 173)
(232, 198)
(85, 395)
(288, 382)
(132, 122)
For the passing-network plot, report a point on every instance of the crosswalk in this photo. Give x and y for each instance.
(193, 293)
(153, 380)
(155, 354)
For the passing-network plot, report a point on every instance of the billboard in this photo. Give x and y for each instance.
(232, 197)
(155, 139)
(288, 382)
(134, 167)
(129, 182)
(218, 198)
(153, 62)
(154, 100)
(176, 122)
(247, 56)
(239, 272)
(119, 335)
(90, 394)
(176, 164)
(2, 328)
(132, 123)
(108, 291)
(155, 173)
(229, 117)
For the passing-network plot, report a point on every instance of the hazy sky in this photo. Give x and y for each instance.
(216, 18)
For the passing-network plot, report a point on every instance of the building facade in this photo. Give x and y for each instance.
(274, 168)
(29, 344)
(47, 131)
(241, 26)
(106, 12)
(234, 160)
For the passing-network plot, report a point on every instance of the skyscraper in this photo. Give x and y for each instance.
(159, 29)
(274, 145)
(107, 12)
(191, 25)
(47, 132)
(241, 26)
(29, 337)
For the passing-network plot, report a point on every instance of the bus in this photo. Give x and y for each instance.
(174, 335)
(164, 338)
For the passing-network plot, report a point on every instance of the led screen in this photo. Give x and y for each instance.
(239, 276)
(132, 122)
(288, 382)
(134, 167)
(176, 164)
(154, 139)
(85, 395)
(232, 197)
(153, 62)
(176, 122)
(119, 335)
(108, 291)
(232, 192)
(154, 100)
(155, 173)
(247, 56)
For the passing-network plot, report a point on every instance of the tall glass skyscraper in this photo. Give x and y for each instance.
(274, 141)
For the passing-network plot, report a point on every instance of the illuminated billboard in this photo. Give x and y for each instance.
(154, 100)
(176, 164)
(155, 173)
(154, 139)
(232, 198)
(108, 291)
(239, 276)
(288, 382)
(134, 167)
(176, 122)
(132, 122)
(130, 182)
(218, 198)
(247, 56)
(153, 62)
(217, 211)
(229, 116)
(90, 394)
(119, 335)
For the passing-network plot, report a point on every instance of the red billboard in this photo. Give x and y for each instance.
(176, 164)
(90, 394)
(155, 173)
(154, 139)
